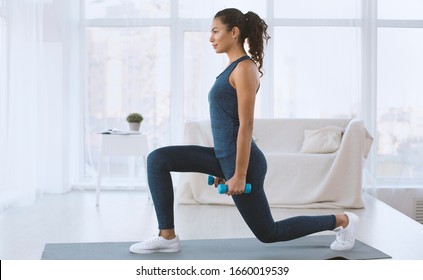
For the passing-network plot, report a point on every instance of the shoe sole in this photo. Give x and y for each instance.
(171, 250)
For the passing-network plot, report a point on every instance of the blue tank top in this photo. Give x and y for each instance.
(224, 113)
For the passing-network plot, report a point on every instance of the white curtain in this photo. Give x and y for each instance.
(34, 141)
(25, 98)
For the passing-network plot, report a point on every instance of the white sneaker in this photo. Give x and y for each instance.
(156, 244)
(345, 237)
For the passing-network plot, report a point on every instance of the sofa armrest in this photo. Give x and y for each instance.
(357, 138)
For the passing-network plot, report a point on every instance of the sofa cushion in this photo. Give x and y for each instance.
(321, 141)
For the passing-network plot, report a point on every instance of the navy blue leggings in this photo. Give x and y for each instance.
(253, 207)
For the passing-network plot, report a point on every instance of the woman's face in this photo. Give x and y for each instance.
(220, 38)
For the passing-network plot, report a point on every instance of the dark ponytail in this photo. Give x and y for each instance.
(251, 27)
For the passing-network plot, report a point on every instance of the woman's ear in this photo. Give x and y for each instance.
(235, 32)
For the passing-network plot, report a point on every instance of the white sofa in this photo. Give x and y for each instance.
(295, 177)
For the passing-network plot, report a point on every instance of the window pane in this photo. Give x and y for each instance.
(337, 9)
(208, 8)
(317, 70)
(128, 70)
(127, 9)
(404, 9)
(400, 103)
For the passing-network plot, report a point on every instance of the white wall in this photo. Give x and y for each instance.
(401, 199)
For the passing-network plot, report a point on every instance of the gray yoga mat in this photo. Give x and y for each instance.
(305, 248)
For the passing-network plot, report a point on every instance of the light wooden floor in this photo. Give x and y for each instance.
(129, 216)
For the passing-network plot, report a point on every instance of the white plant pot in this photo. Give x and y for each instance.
(134, 126)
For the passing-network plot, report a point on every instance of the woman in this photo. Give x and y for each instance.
(235, 158)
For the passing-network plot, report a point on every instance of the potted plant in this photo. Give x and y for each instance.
(134, 120)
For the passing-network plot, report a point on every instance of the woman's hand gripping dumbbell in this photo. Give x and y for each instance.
(222, 188)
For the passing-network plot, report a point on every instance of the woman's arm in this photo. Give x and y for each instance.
(245, 79)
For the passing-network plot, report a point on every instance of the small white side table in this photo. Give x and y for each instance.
(121, 145)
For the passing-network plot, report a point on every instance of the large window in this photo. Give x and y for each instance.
(399, 92)
(154, 56)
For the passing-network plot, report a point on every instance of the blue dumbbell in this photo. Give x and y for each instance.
(222, 188)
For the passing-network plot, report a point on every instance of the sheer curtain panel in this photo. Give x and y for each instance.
(35, 105)
(24, 98)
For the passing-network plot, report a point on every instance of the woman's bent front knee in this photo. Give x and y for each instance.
(157, 158)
